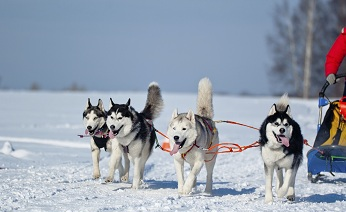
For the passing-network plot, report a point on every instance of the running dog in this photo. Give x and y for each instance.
(94, 118)
(281, 144)
(191, 135)
(134, 131)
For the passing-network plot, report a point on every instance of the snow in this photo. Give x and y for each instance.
(45, 166)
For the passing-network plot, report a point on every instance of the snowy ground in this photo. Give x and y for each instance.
(50, 169)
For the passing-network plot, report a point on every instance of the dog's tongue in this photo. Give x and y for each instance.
(175, 149)
(285, 141)
(111, 134)
(86, 132)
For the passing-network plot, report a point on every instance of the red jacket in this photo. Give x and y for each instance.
(336, 54)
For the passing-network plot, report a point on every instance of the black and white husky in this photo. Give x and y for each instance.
(191, 135)
(94, 118)
(281, 143)
(134, 130)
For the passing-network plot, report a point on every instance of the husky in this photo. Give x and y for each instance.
(281, 143)
(134, 130)
(94, 118)
(191, 135)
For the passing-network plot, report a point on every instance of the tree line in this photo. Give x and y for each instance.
(302, 36)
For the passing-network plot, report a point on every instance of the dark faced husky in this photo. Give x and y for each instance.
(191, 135)
(94, 118)
(134, 130)
(281, 143)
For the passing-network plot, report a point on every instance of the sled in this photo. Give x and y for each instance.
(328, 153)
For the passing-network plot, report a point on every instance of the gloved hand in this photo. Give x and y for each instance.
(331, 79)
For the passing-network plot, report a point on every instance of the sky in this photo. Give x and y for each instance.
(49, 168)
(117, 45)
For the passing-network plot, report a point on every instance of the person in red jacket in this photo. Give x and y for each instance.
(335, 57)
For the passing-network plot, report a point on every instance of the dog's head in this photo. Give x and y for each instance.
(182, 131)
(120, 119)
(276, 130)
(94, 117)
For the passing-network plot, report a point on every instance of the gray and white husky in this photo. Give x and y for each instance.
(94, 118)
(281, 143)
(191, 135)
(134, 130)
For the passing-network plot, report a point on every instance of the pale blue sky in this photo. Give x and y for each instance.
(118, 45)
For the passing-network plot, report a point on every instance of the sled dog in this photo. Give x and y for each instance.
(134, 130)
(190, 136)
(94, 118)
(281, 143)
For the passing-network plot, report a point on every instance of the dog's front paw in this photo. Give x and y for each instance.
(109, 180)
(291, 197)
(125, 178)
(96, 176)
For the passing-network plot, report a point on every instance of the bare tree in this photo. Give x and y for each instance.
(308, 48)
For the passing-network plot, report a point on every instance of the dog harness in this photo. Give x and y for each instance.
(101, 137)
(212, 130)
(150, 122)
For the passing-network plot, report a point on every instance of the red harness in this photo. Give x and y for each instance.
(183, 155)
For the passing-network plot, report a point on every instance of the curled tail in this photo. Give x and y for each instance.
(281, 106)
(205, 99)
(154, 105)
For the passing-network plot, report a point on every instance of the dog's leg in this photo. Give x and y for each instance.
(291, 193)
(125, 176)
(269, 171)
(136, 172)
(193, 175)
(279, 178)
(179, 168)
(115, 162)
(95, 155)
(287, 181)
(209, 183)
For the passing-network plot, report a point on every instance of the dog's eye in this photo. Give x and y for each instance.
(173, 128)
(184, 128)
(276, 123)
(119, 118)
(95, 118)
(87, 118)
(286, 124)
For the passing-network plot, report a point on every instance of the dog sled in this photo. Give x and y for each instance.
(328, 153)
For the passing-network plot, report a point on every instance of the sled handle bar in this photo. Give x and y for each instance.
(325, 86)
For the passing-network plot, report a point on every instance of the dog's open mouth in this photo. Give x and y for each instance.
(282, 139)
(177, 146)
(90, 132)
(113, 133)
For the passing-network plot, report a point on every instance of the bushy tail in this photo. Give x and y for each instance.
(283, 102)
(205, 99)
(154, 105)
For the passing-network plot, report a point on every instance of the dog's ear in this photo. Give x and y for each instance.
(100, 105)
(191, 116)
(88, 105)
(174, 114)
(288, 111)
(128, 102)
(111, 103)
(272, 110)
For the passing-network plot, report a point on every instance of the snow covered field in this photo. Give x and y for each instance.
(50, 169)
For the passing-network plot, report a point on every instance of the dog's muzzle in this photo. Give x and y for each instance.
(282, 139)
(113, 132)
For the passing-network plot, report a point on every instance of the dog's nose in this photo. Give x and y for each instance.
(112, 127)
(282, 130)
(89, 127)
(176, 138)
